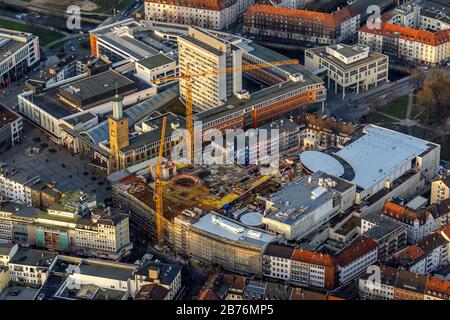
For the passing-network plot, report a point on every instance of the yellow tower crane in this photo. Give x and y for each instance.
(158, 194)
(189, 77)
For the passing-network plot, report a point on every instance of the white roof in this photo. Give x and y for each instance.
(318, 161)
(228, 229)
(252, 219)
(379, 153)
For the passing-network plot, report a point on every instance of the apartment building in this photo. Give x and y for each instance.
(321, 132)
(20, 51)
(404, 43)
(440, 190)
(299, 266)
(293, 25)
(30, 266)
(425, 257)
(7, 251)
(216, 14)
(390, 235)
(352, 68)
(356, 258)
(420, 223)
(396, 284)
(313, 269)
(203, 52)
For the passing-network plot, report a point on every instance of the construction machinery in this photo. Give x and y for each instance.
(189, 78)
(158, 193)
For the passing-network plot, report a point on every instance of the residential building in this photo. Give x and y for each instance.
(353, 68)
(428, 255)
(404, 43)
(402, 285)
(155, 273)
(7, 251)
(30, 266)
(420, 223)
(216, 14)
(390, 235)
(313, 269)
(11, 128)
(20, 51)
(321, 132)
(277, 261)
(356, 258)
(293, 25)
(440, 189)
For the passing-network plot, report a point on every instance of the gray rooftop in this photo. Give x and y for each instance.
(32, 257)
(5, 248)
(106, 271)
(295, 200)
(18, 209)
(155, 61)
(383, 226)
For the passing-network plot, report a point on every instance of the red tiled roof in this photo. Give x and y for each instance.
(355, 250)
(445, 231)
(409, 255)
(334, 19)
(425, 37)
(438, 286)
(316, 258)
(402, 213)
(215, 5)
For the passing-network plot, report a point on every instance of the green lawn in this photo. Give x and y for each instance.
(45, 36)
(106, 6)
(377, 118)
(397, 108)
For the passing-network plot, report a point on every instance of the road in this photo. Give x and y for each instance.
(356, 106)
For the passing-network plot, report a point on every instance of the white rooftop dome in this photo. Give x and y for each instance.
(318, 161)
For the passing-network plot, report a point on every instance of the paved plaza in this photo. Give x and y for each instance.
(55, 164)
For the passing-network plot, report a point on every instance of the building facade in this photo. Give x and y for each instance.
(293, 25)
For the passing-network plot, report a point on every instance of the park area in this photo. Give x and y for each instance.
(45, 36)
(420, 123)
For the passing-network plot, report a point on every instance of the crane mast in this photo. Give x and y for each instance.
(158, 193)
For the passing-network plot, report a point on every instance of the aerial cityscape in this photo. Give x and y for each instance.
(227, 150)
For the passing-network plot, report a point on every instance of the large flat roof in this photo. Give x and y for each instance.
(347, 51)
(296, 199)
(379, 152)
(232, 230)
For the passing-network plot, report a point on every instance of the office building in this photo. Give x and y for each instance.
(352, 68)
(20, 52)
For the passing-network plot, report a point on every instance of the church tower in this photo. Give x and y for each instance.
(118, 132)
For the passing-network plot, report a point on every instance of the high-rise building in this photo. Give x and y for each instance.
(118, 131)
(204, 52)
